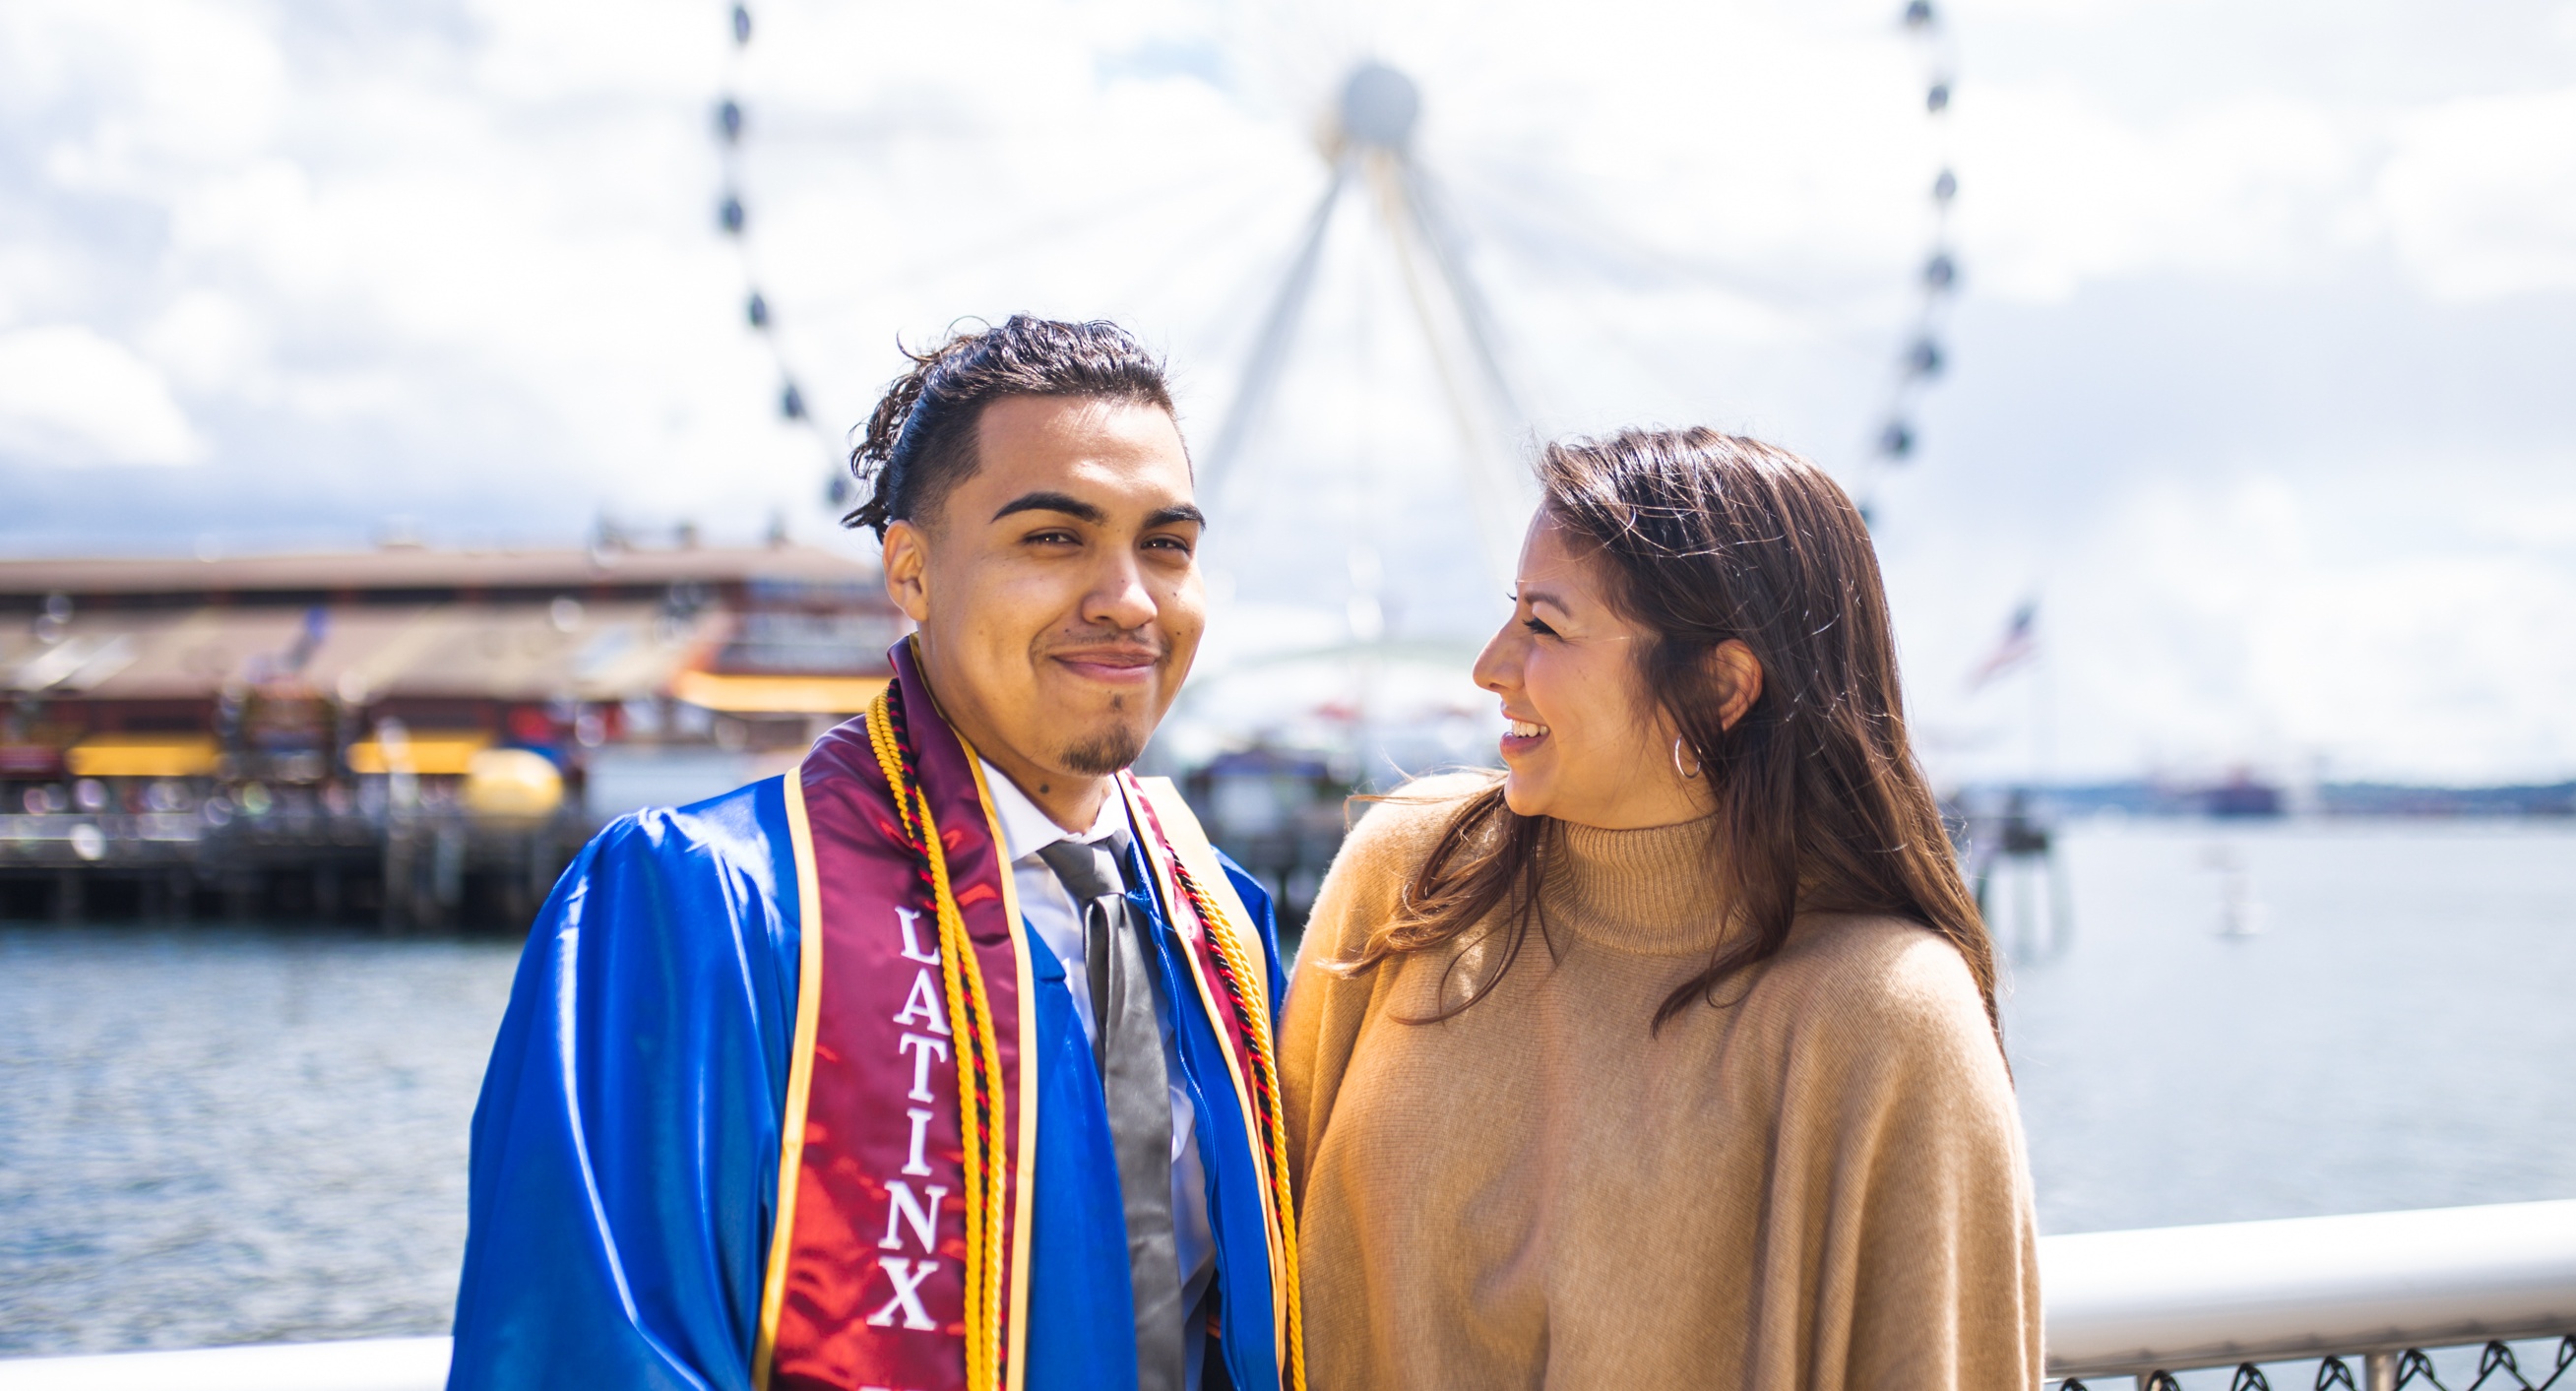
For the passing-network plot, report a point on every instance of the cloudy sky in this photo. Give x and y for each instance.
(2258, 374)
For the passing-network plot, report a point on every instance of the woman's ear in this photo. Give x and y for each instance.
(1738, 676)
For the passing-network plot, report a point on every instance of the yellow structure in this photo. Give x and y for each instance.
(733, 694)
(142, 756)
(430, 754)
(512, 782)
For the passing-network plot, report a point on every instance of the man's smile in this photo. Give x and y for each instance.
(1122, 664)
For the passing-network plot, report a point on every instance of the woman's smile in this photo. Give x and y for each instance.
(1521, 736)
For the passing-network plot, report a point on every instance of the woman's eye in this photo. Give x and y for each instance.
(1538, 627)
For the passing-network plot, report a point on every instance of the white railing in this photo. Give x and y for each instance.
(2119, 1304)
(371, 1364)
(2367, 1287)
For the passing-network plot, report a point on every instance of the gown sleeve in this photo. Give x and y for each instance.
(625, 1147)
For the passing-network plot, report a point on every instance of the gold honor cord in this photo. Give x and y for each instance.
(979, 1056)
(1250, 994)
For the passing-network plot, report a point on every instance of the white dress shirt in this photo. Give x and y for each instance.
(1057, 920)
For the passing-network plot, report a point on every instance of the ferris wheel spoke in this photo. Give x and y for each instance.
(1552, 227)
(1278, 330)
(877, 133)
(1448, 250)
(1096, 218)
(1195, 245)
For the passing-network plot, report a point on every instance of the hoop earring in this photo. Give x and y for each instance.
(1689, 772)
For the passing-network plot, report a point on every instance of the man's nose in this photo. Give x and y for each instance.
(1119, 598)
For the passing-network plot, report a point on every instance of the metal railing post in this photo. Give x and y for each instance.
(2379, 1371)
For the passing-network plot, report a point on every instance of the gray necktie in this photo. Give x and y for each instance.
(1128, 1046)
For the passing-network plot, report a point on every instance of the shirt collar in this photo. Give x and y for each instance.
(1026, 830)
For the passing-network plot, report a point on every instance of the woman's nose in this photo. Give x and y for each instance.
(1498, 666)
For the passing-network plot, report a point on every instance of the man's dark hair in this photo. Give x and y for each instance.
(921, 442)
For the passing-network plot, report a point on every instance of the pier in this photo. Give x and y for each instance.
(435, 870)
(414, 738)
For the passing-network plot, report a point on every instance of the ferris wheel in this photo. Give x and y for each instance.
(1386, 262)
(1369, 158)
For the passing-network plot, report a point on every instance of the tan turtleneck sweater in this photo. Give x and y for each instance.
(1816, 1184)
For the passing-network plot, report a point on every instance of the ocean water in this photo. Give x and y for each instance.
(2398, 1030)
(214, 1136)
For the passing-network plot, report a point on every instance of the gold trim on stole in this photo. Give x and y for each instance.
(1016, 1368)
(1180, 827)
(800, 1072)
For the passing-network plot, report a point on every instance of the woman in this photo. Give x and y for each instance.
(1669, 1059)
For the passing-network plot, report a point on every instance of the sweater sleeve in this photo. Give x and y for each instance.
(1900, 1169)
(1322, 1019)
(1326, 1008)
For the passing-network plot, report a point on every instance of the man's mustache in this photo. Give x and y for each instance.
(1128, 646)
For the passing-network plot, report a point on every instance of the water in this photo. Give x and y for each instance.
(2400, 1032)
(212, 1136)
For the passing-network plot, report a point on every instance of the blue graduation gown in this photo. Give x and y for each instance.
(625, 1150)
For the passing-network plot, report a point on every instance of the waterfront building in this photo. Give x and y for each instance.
(416, 735)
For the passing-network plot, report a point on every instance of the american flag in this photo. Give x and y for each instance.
(2020, 643)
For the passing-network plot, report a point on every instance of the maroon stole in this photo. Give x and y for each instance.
(907, 1151)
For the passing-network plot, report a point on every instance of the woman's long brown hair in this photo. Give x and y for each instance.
(1821, 808)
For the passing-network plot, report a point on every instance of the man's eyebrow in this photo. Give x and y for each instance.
(1178, 512)
(1053, 502)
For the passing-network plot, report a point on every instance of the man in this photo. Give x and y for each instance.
(945, 1060)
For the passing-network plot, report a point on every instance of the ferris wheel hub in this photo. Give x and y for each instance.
(1379, 106)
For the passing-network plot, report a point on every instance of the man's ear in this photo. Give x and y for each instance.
(907, 570)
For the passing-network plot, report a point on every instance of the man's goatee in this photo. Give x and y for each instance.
(1104, 753)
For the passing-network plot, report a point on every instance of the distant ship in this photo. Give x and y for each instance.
(2241, 795)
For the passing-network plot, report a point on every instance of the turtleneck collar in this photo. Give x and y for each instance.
(1652, 891)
